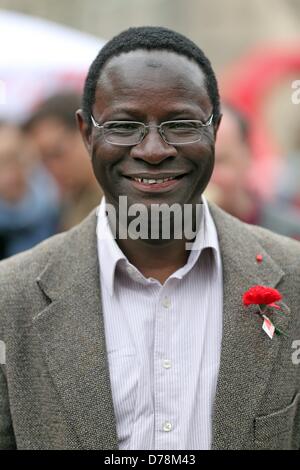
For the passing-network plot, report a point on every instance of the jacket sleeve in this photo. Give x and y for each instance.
(7, 438)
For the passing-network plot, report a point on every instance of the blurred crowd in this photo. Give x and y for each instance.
(231, 188)
(46, 180)
(47, 184)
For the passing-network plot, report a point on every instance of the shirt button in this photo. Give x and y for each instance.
(167, 364)
(167, 427)
(166, 302)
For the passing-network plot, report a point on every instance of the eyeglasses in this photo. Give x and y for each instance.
(128, 133)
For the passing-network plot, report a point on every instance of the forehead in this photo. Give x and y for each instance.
(143, 75)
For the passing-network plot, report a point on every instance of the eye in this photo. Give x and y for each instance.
(121, 127)
(180, 126)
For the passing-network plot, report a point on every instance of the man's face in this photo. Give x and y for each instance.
(232, 165)
(151, 87)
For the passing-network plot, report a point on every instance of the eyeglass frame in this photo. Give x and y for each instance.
(154, 126)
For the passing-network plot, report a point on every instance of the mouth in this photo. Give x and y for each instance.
(155, 182)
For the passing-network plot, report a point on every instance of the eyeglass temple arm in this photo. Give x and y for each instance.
(96, 124)
(209, 122)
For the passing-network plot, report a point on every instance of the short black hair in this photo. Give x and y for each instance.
(61, 107)
(149, 38)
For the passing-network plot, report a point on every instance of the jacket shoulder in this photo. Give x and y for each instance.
(19, 290)
(284, 250)
(30, 262)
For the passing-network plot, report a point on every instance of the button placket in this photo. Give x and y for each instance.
(164, 413)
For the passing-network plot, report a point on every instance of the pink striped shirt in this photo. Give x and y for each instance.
(163, 343)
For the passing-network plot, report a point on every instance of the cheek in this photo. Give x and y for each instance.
(99, 169)
(203, 162)
(104, 153)
(105, 163)
(203, 157)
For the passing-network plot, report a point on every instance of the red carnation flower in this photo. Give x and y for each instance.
(264, 297)
(261, 295)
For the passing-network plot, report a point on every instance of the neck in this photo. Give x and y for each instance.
(158, 258)
(157, 261)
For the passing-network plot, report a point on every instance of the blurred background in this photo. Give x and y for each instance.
(46, 181)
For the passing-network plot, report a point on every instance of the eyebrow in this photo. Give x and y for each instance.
(185, 110)
(126, 112)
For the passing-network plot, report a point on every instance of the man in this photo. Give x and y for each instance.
(281, 214)
(229, 187)
(28, 196)
(144, 343)
(54, 132)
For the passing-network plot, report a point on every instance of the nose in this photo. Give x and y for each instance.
(153, 149)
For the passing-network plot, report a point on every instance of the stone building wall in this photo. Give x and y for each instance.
(223, 28)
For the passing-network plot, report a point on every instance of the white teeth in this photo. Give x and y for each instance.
(152, 181)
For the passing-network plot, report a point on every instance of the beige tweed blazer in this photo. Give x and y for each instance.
(54, 386)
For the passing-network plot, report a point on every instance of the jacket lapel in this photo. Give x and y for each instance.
(71, 331)
(247, 354)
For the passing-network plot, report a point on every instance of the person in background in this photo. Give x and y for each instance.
(282, 213)
(54, 131)
(28, 195)
(229, 186)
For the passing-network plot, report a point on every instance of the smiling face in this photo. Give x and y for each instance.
(151, 87)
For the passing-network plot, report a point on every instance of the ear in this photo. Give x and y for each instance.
(217, 124)
(85, 130)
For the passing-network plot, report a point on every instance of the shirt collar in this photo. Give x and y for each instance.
(206, 238)
(110, 254)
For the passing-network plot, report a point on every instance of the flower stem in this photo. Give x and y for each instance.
(281, 314)
(280, 332)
